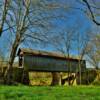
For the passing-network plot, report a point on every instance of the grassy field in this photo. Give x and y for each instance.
(49, 93)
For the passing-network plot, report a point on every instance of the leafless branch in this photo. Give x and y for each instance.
(91, 12)
(5, 10)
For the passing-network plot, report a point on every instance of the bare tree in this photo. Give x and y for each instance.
(70, 41)
(63, 42)
(28, 19)
(82, 44)
(93, 49)
(4, 12)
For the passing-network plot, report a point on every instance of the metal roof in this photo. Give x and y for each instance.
(44, 53)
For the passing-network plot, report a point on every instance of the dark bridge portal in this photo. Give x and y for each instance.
(35, 60)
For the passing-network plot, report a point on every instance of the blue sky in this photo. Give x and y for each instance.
(72, 18)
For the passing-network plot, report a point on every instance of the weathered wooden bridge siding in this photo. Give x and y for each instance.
(36, 60)
(51, 64)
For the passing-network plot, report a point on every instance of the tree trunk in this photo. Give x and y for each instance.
(68, 76)
(80, 76)
(8, 77)
(55, 78)
(69, 71)
(25, 77)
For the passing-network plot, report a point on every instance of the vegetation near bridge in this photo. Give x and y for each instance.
(49, 93)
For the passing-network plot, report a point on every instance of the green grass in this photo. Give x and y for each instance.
(49, 93)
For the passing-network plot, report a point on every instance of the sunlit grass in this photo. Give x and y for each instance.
(49, 93)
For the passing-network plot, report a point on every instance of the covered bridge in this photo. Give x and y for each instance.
(36, 60)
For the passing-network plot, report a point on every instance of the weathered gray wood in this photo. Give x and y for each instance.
(39, 63)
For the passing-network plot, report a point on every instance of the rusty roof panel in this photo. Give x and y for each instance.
(45, 53)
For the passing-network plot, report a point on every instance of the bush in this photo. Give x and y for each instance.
(96, 82)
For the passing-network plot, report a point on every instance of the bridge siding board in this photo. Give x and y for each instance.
(49, 64)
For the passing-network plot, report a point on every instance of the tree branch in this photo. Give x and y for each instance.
(91, 12)
(5, 10)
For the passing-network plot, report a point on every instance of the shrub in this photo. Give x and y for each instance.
(96, 82)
